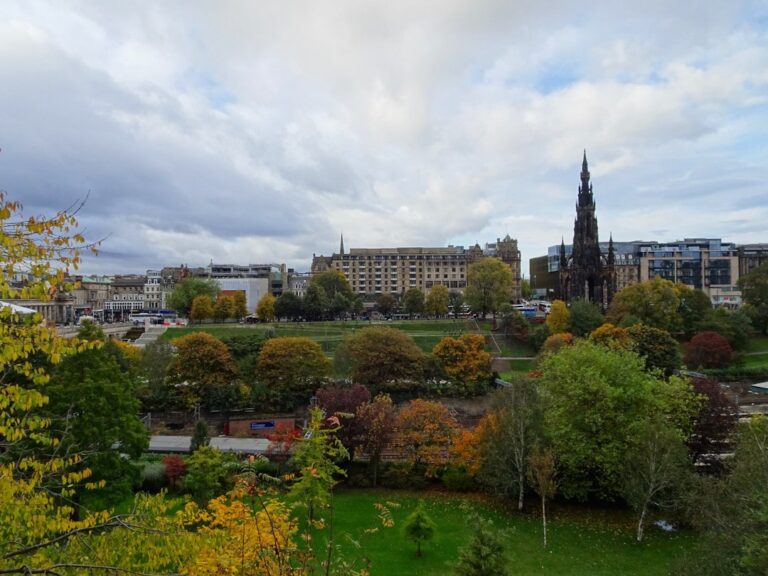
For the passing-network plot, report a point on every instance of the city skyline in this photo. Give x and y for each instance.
(243, 133)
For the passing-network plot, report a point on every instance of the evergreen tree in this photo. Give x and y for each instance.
(419, 527)
(200, 436)
(484, 555)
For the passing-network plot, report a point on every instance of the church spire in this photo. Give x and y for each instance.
(563, 259)
(341, 248)
(611, 252)
(585, 190)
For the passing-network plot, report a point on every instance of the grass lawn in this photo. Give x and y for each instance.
(757, 344)
(581, 543)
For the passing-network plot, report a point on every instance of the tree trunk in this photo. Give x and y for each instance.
(375, 471)
(521, 490)
(418, 548)
(544, 518)
(641, 522)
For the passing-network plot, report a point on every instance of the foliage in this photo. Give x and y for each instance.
(343, 402)
(654, 467)
(455, 301)
(288, 305)
(655, 303)
(541, 474)
(282, 440)
(316, 457)
(437, 301)
(155, 393)
(174, 467)
(91, 332)
(223, 308)
(203, 371)
(380, 357)
(559, 318)
(553, 344)
(694, 305)
(339, 298)
(489, 285)
(506, 435)
(153, 477)
(245, 348)
(734, 325)
(201, 309)
(200, 436)
(656, 346)
(385, 303)
(316, 302)
(713, 424)
(239, 305)
(413, 302)
(464, 360)
(513, 324)
(184, 294)
(754, 291)
(538, 335)
(265, 309)
(592, 397)
(205, 474)
(377, 420)
(484, 554)
(708, 350)
(585, 316)
(419, 527)
(610, 336)
(293, 367)
(425, 430)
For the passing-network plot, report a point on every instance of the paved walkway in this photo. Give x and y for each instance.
(178, 444)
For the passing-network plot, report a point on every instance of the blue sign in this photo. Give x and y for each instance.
(262, 424)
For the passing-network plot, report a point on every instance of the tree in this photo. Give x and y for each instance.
(484, 554)
(489, 285)
(592, 398)
(653, 467)
(293, 368)
(526, 291)
(541, 474)
(413, 302)
(175, 468)
(419, 527)
(611, 337)
(205, 474)
(380, 357)
(202, 308)
(655, 303)
(265, 309)
(754, 290)
(455, 302)
(656, 346)
(464, 359)
(377, 420)
(316, 457)
(505, 443)
(239, 305)
(385, 303)
(343, 401)
(585, 316)
(316, 302)
(156, 393)
(694, 306)
(425, 429)
(288, 305)
(245, 349)
(514, 325)
(184, 294)
(437, 301)
(91, 332)
(203, 371)
(200, 436)
(708, 350)
(553, 344)
(713, 425)
(223, 307)
(338, 292)
(734, 325)
(558, 319)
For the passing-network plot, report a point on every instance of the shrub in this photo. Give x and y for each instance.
(708, 350)
(554, 343)
(153, 477)
(175, 468)
(457, 478)
(403, 475)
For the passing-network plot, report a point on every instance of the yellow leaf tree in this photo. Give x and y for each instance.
(558, 319)
(265, 309)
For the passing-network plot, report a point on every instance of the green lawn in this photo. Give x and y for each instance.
(582, 543)
(757, 344)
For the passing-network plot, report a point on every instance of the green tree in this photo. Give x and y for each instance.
(734, 325)
(223, 307)
(455, 302)
(484, 554)
(200, 436)
(156, 393)
(413, 302)
(239, 305)
(585, 316)
(245, 349)
(316, 457)
(437, 301)
(419, 527)
(265, 309)
(91, 332)
(558, 319)
(385, 303)
(525, 289)
(184, 294)
(656, 346)
(655, 303)
(338, 292)
(205, 474)
(288, 305)
(316, 302)
(754, 290)
(202, 308)
(380, 357)
(293, 368)
(489, 285)
(694, 306)
(593, 398)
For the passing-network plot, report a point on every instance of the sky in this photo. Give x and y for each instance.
(258, 132)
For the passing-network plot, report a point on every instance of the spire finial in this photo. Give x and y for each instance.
(584, 162)
(341, 248)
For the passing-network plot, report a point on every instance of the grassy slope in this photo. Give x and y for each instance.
(583, 546)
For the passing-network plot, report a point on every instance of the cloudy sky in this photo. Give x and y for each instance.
(254, 131)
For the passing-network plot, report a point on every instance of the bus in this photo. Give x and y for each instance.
(141, 318)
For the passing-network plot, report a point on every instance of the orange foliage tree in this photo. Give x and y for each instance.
(464, 359)
(425, 431)
(554, 343)
(611, 336)
(293, 368)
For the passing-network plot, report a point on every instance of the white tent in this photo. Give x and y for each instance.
(16, 308)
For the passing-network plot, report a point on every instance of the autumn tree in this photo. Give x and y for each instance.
(413, 302)
(656, 346)
(708, 350)
(558, 319)
(419, 527)
(754, 290)
(201, 309)
(223, 307)
(175, 468)
(713, 424)
(265, 309)
(541, 474)
(239, 305)
(464, 359)
(553, 344)
(611, 336)
(380, 357)
(489, 285)
(203, 371)
(293, 368)
(437, 302)
(655, 303)
(343, 402)
(734, 325)
(377, 420)
(385, 303)
(425, 429)
(187, 290)
(585, 316)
